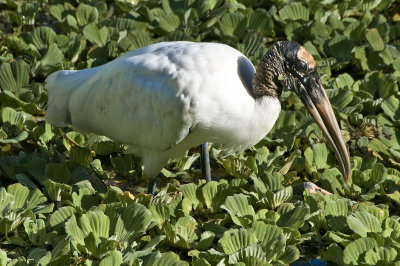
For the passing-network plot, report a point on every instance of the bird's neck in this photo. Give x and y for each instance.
(266, 81)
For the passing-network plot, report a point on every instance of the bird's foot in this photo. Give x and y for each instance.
(310, 187)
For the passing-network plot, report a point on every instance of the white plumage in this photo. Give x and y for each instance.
(165, 98)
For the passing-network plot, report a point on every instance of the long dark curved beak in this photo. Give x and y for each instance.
(313, 95)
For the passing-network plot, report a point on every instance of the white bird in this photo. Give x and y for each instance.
(166, 98)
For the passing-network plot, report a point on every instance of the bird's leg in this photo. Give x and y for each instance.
(151, 189)
(205, 162)
(311, 188)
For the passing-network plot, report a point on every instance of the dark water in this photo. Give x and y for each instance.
(316, 262)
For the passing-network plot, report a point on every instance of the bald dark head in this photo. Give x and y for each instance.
(289, 65)
(294, 56)
(281, 67)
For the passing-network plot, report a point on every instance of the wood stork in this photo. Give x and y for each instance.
(166, 98)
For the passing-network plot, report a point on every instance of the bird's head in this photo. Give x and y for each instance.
(289, 65)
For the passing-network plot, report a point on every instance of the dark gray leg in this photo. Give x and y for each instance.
(205, 162)
(151, 189)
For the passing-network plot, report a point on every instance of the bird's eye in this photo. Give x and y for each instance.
(302, 66)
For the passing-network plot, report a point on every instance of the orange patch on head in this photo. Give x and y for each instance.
(305, 56)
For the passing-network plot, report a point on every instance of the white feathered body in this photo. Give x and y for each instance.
(165, 98)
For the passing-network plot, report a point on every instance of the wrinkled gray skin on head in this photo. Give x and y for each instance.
(284, 65)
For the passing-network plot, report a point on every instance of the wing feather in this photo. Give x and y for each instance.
(137, 100)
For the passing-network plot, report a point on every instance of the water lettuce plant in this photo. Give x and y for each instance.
(71, 198)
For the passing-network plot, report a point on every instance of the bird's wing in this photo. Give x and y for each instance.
(151, 97)
(136, 99)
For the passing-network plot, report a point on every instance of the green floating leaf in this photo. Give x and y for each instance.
(14, 76)
(286, 123)
(206, 240)
(23, 135)
(387, 85)
(344, 80)
(133, 222)
(342, 99)
(236, 167)
(378, 174)
(362, 222)
(39, 255)
(160, 212)
(12, 117)
(86, 14)
(395, 197)
(20, 194)
(80, 155)
(391, 107)
(73, 231)
(253, 254)
(185, 228)
(335, 22)
(271, 237)
(371, 4)
(111, 258)
(202, 7)
(335, 213)
(103, 145)
(293, 29)
(56, 190)
(374, 39)
(386, 254)
(36, 231)
(334, 254)
(272, 182)
(125, 24)
(361, 56)
(53, 56)
(71, 21)
(6, 201)
(294, 218)
(165, 259)
(61, 215)
(233, 24)
(10, 100)
(337, 207)
(214, 195)
(353, 250)
(235, 239)
(95, 222)
(275, 199)
(42, 37)
(57, 11)
(340, 47)
(182, 234)
(253, 45)
(135, 40)
(321, 29)
(294, 11)
(95, 35)
(260, 20)
(170, 22)
(290, 255)
(189, 192)
(61, 249)
(239, 207)
(320, 152)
